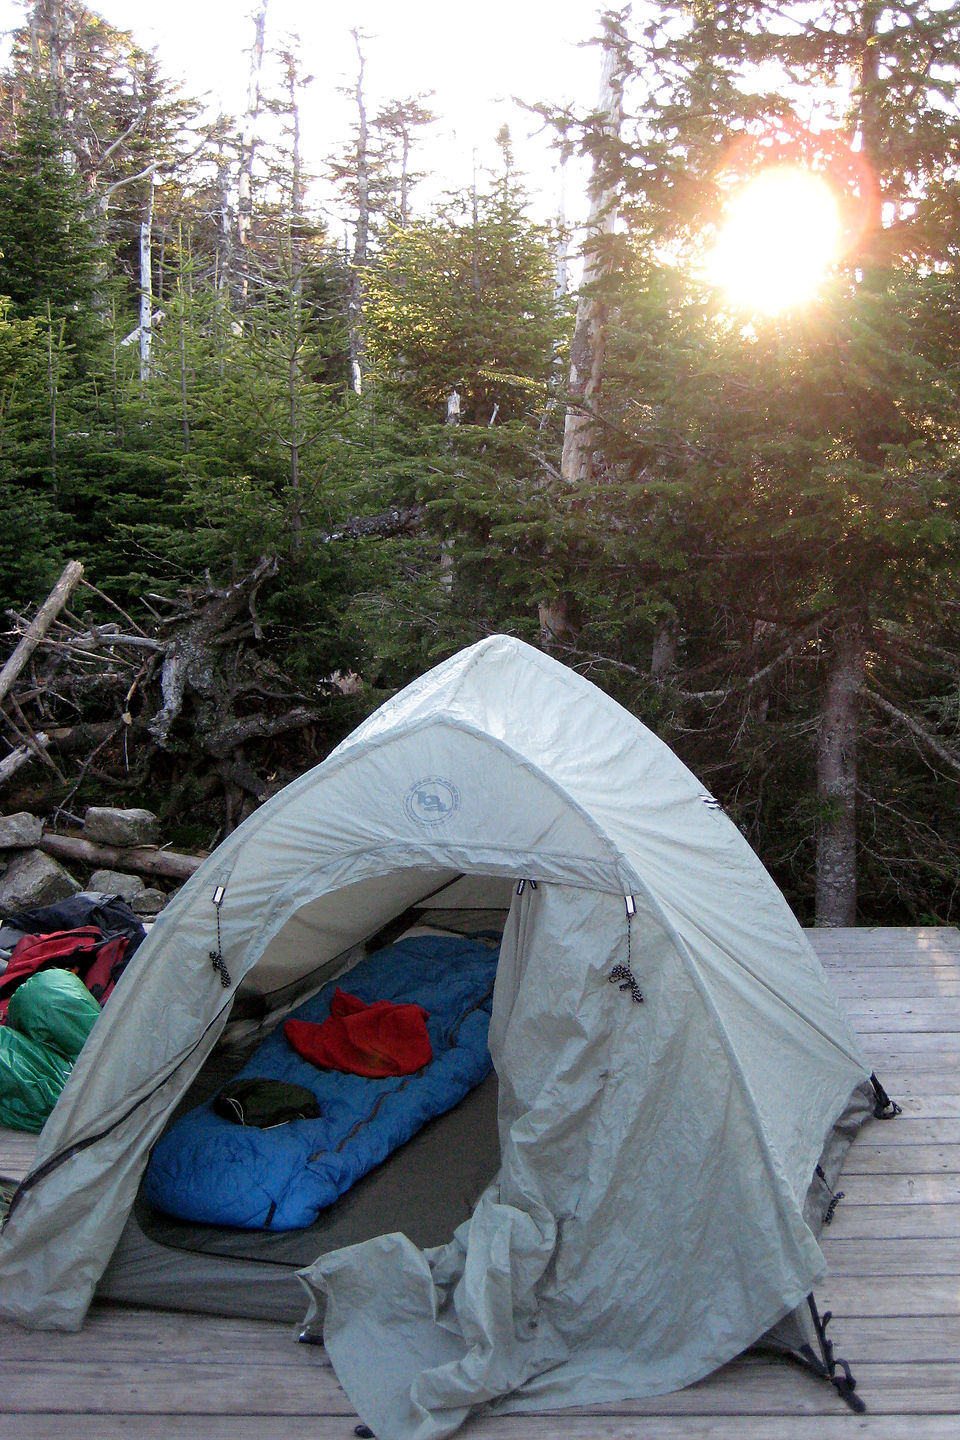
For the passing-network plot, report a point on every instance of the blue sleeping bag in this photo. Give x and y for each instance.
(208, 1169)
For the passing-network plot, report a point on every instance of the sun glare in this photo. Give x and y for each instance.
(780, 238)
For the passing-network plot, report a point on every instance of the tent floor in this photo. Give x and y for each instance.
(894, 1287)
(426, 1189)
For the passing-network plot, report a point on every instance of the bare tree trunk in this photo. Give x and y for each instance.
(557, 622)
(224, 255)
(836, 868)
(868, 108)
(181, 297)
(295, 302)
(446, 546)
(361, 237)
(146, 285)
(53, 384)
(663, 657)
(475, 258)
(248, 138)
(587, 348)
(54, 22)
(563, 237)
(405, 179)
(35, 22)
(836, 878)
(560, 286)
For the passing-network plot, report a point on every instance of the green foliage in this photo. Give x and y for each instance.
(759, 484)
(49, 260)
(464, 301)
(772, 480)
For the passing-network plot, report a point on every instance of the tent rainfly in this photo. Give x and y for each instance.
(667, 1141)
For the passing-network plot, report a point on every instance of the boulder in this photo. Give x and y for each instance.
(33, 879)
(21, 831)
(115, 882)
(148, 903)
(106, 826)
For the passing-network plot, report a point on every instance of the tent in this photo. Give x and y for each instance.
(676, 1086)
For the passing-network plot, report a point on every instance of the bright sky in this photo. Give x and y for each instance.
(474, 58)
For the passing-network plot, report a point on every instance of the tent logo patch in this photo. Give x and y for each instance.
(432, 800)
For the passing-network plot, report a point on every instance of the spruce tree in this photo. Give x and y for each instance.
(781, 497)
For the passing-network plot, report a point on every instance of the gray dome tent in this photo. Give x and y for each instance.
(657, 1199)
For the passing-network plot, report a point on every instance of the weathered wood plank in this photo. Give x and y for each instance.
(919, 1255)
(561, 1426)
(903, 1160)
(882, 1295)
(868, 1190)
(766, 1386)
(891, 959)
(901, 1016)
(910, 1129)
(899, 1339)
(865, 941)
(921, 983)
(937, 1047)
(936, 1106)
(893, 955)
(17, 1149)
(913, 1076)
(891, 1222)
(174, 1387)
(168, 1337)
(751, 1386)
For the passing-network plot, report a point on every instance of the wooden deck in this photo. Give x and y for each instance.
(894, 1287)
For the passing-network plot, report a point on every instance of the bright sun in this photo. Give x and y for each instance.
(781, 235)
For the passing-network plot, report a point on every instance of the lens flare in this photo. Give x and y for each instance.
(780, 238)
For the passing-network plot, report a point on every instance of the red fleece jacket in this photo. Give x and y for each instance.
(373, 1040)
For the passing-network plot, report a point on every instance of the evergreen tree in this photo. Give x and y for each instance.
(782, 488)
(26, 536)
(50, 271)
(462, 324)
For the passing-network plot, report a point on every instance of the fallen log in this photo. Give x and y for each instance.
(395, 521)
(167, 864)
(23, 754)
(38, 627)
(86, 735)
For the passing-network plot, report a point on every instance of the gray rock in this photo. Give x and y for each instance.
(115, 882)
(106, 826)
(20, 832)
(33, 879)
(148, 903)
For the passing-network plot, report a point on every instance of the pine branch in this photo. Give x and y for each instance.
(916, 729)
(743, 687)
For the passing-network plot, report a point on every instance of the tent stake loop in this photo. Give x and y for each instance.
(885, 1108)
(845, 1384)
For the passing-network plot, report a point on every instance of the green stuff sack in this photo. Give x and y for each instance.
(31, 1078)
(55, 1009)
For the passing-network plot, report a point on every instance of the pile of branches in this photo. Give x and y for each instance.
(185, 700)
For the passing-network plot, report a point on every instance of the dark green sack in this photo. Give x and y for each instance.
(31, 1078)
(265, 1103)
(54, 1008)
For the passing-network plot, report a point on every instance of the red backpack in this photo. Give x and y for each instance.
(85, 951)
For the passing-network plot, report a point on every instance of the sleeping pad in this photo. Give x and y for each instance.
(206, 1168)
